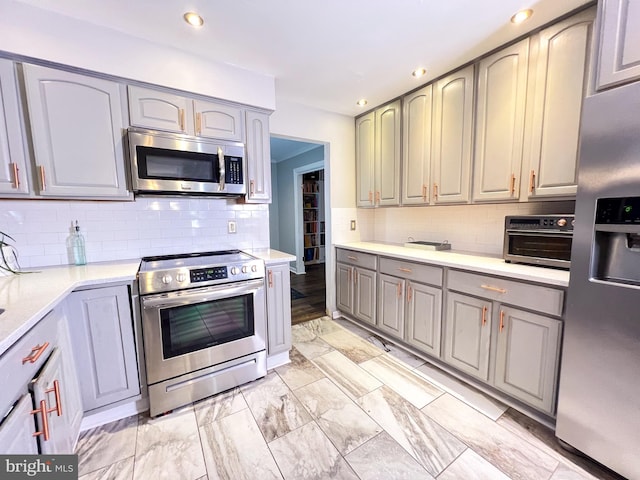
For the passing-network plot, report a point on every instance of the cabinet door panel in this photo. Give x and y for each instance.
(77, 129)
(16, 431)
(13, 162)
(424, 317)
(214, 120)
(387, 164)
(278, 309)
(416, 142)
(467, 334)
(452, 134)
(365, 160)
(502, 86)
(160, 110)
(344, 291)
(391, 305)
(365, 295)
(258, 153)
(527, 356)
(560, 86)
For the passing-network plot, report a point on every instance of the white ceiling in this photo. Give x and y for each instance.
(325, 54)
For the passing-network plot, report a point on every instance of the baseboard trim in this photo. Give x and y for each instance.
(278, 360)
(97, 419)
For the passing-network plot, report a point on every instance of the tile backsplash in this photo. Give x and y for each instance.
(474, 228)
(125, 230)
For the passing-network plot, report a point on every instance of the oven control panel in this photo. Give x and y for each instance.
(208, 274)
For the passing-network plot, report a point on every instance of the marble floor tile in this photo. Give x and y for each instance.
(102, 446)
(431, 445)
(299, 371)
(219, 406)
(351, 346)
(321, 326)
(234, 449)
(403, 381)
(168, 447)
(276, 410)
(306, 453)
(353, 328)
(513, 455)
(382, 458)
(352, 379)
(313, 348)
(342, 421)
(300, 333)
(469, 466)
(475, 398)
(122, 470)
(396, 352)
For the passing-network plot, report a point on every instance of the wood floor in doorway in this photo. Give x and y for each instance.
(312, 285)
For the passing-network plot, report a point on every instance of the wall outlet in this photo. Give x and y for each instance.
(353, 224)
(231, 226)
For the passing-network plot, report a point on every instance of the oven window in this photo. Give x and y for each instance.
(190, 328)
(541, 246)
(162, 164)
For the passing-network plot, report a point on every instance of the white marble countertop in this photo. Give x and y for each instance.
(270, 256)
(28, 297)
(467, 261)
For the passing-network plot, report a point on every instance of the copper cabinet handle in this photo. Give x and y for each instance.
(370, 196)
(349, 275)
(43, 180)
(378, 198)
(513, 184)
(182, 119)
(45, 421)
(399, 289)
(270, 275)
(435, 191)
(494, 289)
(252, 187)
(36, 352)
(198, 123)
(484, 315)
(532, 181)
(355, 277)
(409, 293)
(424, 193)
(56, 390)
(16, 177)
(501, 320)
(405, 270)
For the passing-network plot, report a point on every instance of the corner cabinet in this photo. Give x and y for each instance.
(258, 175)
(452, 137)
(13, 161)
(104, 347)
(619, 49)
(278, 309)
(77, 129)
(416, 146)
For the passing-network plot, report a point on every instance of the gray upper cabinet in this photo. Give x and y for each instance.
(391, 305)
(378, 144)
(500, 115)
(258, 175)
(528, 348)
(416, 146)
(13, 161)
(154, 109)
(559, 84)
(77, 129)
(278, 309)
(452, 137)
(102, 334)
(619, 52)
(365, 160)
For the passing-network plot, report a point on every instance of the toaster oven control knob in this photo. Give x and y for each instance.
(181, 277)
(562, 222)
(234, 270)
(166, 279)
(573, 222)
(254, 268)
(245, 269)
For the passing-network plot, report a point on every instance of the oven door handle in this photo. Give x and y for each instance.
(204, 294)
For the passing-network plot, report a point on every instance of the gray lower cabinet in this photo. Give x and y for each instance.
(423, 316)
(103, 343)
(391, 305)
(528, 348)
(278, 309)
(468, 334)
(356, 293)
(344, 290)
(17, 430)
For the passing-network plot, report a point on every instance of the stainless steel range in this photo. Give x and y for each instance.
(203, 323)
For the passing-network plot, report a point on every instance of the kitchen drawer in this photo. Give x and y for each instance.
(364, 260)
(412, 271)
(15, 373)
(534, 297)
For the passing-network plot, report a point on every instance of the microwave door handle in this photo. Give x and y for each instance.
(222, 171)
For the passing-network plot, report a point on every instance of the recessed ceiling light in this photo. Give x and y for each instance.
(521, 16)
(193, 19)
(418, 72)
(362, 102)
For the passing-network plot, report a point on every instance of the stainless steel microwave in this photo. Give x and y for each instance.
(174, 164)
(539, 240)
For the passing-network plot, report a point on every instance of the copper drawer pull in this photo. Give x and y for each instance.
(424, 193)
(501, 320)
(484, 316)
(45, 421)
(182, 119)
(532, 181)
(351, 257)
(405, 270)
(36, 352)
(198, 123)
(513, 184)
(270, 275)
(435, 191)
(56, 390)
(399, 290)
(494, 289)
(16, 177)
(43, 179)
(252, 187)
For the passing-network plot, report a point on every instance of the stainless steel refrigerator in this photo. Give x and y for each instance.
(599, 393)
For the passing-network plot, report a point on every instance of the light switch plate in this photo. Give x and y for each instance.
(231, 226)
